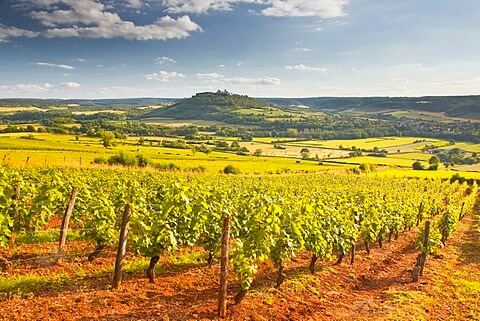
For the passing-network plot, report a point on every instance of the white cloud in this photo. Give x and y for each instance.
(80, 12)
(474, 82)
(162, 29)
(134, 3)
(47, 64)
(222, 66)
(71, 84)
(164, 61)
(305, 8)
(401, 80)
(22, 88)
(302, 67)
(221, 79)
(265, 81)
(211, 76)
(11, 32)
(302, 49)
(92, 19)
(197, 6)
(278, 8)
(164, 76)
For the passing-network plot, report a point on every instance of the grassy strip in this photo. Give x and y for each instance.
(47, 236)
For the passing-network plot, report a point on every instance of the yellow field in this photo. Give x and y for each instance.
(385, 161)
(62, 150)
(93, 112)
(16, 109)
(180, 123)
(469, 147)
(424, 174)
(65, 150)
(392, 144)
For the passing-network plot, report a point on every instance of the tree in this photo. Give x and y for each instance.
(434, 162)
(258, 152)
(108, 139)
(367, 168)
(292, 132)
(229, 169)
(417, 166)
(304, 150)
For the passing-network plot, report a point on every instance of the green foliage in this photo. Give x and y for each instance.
(207, 106)
(434, 160)
(230, 169)
(368, 168)
(108, 139)
(272, 218)
(125, 159)
(417, 166)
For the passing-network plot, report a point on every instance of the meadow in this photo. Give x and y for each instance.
(42, 149)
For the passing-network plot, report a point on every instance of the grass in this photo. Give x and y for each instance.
(137, 265)
(386, 161)
(25, 285)
(366, 143)
(65, 150)
(47, 236)
(415, 115)
(424, 174)
(179, 123)
(469, 147)
(17, 109)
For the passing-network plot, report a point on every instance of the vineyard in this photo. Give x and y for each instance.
(270, 218)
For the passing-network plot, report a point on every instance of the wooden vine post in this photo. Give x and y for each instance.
(426, 238)
(222, 293)
(122, 248)
(461, 215)
(422, 258)
(64, 228)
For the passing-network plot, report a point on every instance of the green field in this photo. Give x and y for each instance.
(369, 143)
(51, 149)
(66, 150)
(17, 109)
(425, 174)
(179, 123)
(469, 147)
(416, 115)
(384, 161)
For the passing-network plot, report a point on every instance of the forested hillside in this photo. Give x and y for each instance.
(452, 106)
(208, 106)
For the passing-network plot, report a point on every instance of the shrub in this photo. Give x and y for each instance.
(170, 167)
(230, 169)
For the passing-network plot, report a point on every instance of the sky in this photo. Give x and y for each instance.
(261, 48)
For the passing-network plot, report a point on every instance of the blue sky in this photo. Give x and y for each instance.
(262, 48)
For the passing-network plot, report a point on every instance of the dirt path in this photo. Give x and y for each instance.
(450, 287)
(376, 287)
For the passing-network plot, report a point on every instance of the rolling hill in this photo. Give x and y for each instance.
(467, 107)
(208, 105)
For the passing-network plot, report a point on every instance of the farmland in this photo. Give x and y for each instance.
(317, 225)
(276, 238)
